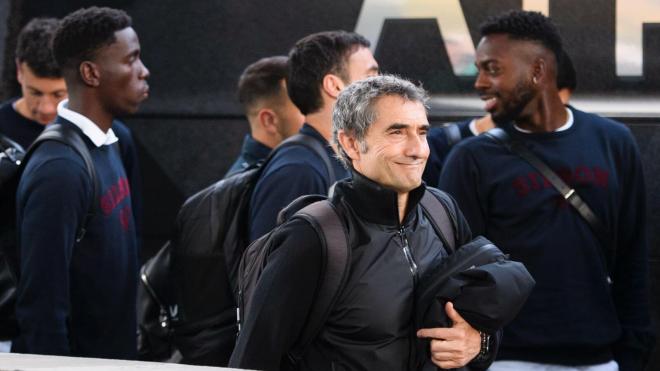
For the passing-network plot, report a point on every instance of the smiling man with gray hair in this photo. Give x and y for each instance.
(379, 127)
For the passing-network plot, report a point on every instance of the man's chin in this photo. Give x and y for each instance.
(501, 119)
(44, 121)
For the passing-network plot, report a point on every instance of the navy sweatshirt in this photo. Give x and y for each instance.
(573, 316)
(76, 298)
(439, 149)
(294, 171)
(18, 128)
(24, 131)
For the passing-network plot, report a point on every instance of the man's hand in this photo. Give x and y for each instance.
(452, 347)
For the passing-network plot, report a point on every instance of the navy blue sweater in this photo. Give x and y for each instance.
(76, 298)
(24, 131)
(439, 149)
(294, 171)
(573, 316)
(18, 128)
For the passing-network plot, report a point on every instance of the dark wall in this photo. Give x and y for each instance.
(191, 128)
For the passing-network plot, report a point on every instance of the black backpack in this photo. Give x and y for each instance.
(187, 295)
(322, 215)
(12, 163)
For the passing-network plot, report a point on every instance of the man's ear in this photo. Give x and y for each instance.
(540, 71)
(268, 120)
(332, 85)
(90, 73)
(349, 144)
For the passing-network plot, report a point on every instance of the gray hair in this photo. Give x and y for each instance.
(354, 111)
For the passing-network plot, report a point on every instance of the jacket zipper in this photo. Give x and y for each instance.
(406, 252)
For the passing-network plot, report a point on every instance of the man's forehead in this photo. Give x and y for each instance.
(395, 107)
(495, 46)
(125, 39)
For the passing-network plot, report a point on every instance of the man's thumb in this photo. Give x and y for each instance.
(453, 314)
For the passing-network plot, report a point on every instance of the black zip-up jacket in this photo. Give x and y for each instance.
(371, 324)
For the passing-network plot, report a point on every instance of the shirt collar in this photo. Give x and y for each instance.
(87, 126)
(253, 151)
(567, 125)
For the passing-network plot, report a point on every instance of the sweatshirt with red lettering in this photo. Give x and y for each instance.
(574, 316)
(76, 298)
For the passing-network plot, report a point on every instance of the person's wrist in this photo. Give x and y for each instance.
(485, 347)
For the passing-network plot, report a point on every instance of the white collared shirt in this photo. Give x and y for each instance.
(88, 127)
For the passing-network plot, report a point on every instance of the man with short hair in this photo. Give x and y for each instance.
(442, 139)
(583, 313)
(379, 126)
(271, 114)
(320, 66)
(22, 119)
(76, 294)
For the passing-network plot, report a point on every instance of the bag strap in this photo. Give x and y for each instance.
(569, 193)
(69, 136)
(316, 147)
(452, 132)
(441, 221)
(7, 142)
(325, 219)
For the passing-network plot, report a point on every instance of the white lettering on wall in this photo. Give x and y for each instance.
(448, 14)
(630, 17)
(542, 6)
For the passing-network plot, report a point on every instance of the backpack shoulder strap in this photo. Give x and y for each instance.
(452, 132)
(325, 219)
(441, 220)
(6, 142)
(316, 147)
(500, 136)
(63, 134)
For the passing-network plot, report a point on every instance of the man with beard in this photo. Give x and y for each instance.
(443, 138)
(77, 291)
(583, 312)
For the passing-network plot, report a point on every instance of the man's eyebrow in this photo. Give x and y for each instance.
(396, 126)
(134, 52)
(485, 62)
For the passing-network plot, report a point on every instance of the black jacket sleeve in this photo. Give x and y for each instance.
(282, 299)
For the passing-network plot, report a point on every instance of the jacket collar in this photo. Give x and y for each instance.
(375, 203)
(253, 151)
(308, 129)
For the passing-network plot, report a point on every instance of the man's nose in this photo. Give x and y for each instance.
(482, 82)
(48, 106)
(417, 146)
(144, 73)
